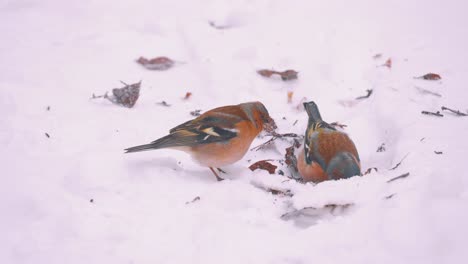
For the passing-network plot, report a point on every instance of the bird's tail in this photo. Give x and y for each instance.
(164, 142)
(313, 112)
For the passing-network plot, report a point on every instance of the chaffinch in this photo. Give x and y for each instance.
(218, 137)
(327, 154)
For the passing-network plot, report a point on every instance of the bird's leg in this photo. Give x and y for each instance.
(217, 177)
(220, 170)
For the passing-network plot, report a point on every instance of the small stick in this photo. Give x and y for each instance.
(197, 198)
(399, 163)
(275, 136)
(424, 91)
(456, 112)
(369, 170)
(432, 113)
(369, 92)
(438, 152)
(399, 177)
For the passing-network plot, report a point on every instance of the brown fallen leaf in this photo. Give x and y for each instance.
(187, 95)
(430, 76)
(290, 159)
(158, 63)
(290, 96)
(263, 165)
(266, 73)
(388, 63)
(286, 75)
(125, 96)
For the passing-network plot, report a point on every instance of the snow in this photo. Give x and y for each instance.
(58, 53)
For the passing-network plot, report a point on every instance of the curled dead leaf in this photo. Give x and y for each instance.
(158, 63)
(430, 76)
(263, 165)
(187, 95)
(290, 159)
(125, 96)
(388, 63)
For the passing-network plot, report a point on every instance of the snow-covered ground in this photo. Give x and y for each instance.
(58, 53)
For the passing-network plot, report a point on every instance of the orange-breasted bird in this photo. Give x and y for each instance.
(328, 154)
(218, 137)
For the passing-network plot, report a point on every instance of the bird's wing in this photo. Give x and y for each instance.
(206, 129)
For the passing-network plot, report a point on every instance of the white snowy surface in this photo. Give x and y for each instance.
(58, 53)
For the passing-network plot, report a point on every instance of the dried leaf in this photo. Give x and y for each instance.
(290, 158)
(290, 96)
(158, 63)
(187, 95)
(430, 76)
(125, 96)
(263, 165)
(388, 63)
(286, 75)
(266, 73)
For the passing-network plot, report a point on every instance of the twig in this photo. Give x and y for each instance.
(399, 163)
(197, 198)
(381, 148)
(99, 96)
(163, 103)
(390, 196)
(399, 177)
(432, 113)
(369, 92)
(424, 91)
(456, 112)
(369, 170)
(438, 152)
(275, 136)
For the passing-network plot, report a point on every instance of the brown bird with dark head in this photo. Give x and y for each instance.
(328, 154)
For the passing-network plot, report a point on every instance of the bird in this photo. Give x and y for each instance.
(328, 154)
(218, 137)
